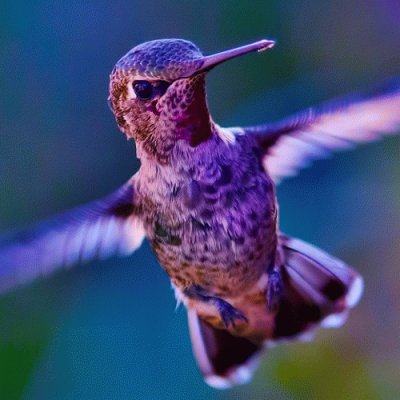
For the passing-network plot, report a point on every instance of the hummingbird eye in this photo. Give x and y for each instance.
(144, 90)
(162, 87)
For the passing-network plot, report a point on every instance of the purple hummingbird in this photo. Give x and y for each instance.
(205, 199)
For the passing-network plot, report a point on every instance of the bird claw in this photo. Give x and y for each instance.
(228, 313)
(274, 290)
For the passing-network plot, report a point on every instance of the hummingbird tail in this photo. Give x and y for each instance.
(319, 290)
(224, 360)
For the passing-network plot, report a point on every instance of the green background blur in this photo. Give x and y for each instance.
(108, 330)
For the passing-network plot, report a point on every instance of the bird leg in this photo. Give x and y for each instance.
(274, 288)
(227, 312)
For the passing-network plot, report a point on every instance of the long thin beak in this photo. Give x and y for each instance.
(215, 59)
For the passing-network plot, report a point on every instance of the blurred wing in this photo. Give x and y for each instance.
(97, 230)
(293, 143)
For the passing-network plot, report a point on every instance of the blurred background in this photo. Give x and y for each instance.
(108, 330)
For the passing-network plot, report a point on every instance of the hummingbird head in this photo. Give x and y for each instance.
(157, 93)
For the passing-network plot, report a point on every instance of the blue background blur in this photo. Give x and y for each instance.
(108, 330)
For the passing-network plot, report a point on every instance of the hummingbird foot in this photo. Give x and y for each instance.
(229, 314)
(274, 289)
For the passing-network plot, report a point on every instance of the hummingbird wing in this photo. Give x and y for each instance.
(96, 230)
(293, 143)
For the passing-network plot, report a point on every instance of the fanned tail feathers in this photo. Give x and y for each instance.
(224, 360)
(318, 289)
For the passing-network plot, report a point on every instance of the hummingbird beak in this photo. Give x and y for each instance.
(215, 59)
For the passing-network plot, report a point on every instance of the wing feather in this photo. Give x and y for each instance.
(292, 144)
(97, 230)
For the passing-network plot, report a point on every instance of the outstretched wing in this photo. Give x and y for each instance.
(291, 144)
(97, 230)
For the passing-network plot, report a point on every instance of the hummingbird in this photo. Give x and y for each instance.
(205, 199)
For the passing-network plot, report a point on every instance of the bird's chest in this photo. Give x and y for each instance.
(217, 233)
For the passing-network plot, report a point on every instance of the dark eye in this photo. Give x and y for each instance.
(143, 90)
(162, 87)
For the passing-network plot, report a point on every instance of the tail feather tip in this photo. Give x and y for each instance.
(240, 376)
(355, 292)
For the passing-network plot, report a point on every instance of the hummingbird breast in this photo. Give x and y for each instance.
(212, 221)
